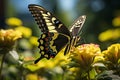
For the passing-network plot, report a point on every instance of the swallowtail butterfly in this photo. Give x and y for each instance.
(55, 35)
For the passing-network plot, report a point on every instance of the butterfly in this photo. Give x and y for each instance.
(55, 35)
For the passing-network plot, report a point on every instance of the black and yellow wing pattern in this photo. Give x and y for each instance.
(55, 35)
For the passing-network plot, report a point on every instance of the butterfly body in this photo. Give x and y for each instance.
(55, 35)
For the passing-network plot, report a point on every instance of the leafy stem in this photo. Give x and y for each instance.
(1, 67)
(88, 75)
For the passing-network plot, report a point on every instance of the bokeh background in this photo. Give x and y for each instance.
(102, 15)
(102, 27)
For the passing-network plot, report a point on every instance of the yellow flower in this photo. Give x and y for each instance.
(116, 21)
(112, 54)
(59, 60)
(27, 32)
(74, 70)
(41, 64)
(85, 54)
(33, 40)
(110, 34)
(13, 21)
(8, 37)
(32, 77)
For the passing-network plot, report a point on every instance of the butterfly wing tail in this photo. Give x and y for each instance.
(37, 60)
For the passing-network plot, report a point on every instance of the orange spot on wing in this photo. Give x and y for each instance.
(46, 39)
(46, 49)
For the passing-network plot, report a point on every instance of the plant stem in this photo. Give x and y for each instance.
(88, 75)
(1, 67)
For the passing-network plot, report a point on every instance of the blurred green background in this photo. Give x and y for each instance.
(102, 15)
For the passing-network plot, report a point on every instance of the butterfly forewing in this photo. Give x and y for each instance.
(37, 14)
(46, 21)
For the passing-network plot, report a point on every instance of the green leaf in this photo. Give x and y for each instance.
(108, 75)
(14, 54)
(99, 65)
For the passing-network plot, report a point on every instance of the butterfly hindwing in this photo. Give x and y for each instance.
(50, 44)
